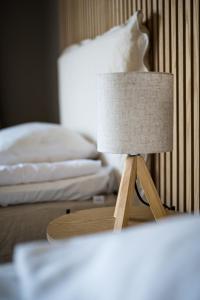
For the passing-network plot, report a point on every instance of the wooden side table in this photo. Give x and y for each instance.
(92, 221)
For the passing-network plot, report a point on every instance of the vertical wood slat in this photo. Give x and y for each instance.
(161, 38)
(150, 28)
(174, 71)
(174, 35)
(155, 67)
(181, 110)
(134, 3)
(62, 24)
(196, 107)
(167, 28)
(188, 67)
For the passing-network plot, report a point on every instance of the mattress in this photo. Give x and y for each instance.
(28, 222)
(81, 188)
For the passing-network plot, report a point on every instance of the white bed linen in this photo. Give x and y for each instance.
(42, 172)
(81, 188)
(9, 283)
(114, 266)
(42, 142)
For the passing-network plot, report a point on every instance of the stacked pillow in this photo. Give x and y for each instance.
(41, 152)
(42, 142)
(42, 162)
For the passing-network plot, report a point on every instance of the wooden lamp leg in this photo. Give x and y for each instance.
(126, 191)
(149, 188)
(136, 166)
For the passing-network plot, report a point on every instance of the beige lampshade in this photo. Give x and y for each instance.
(135, 112)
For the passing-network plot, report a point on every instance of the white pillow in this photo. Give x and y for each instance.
(42, 142)
(121, 49)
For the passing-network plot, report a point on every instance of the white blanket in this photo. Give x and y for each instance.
(81, 188)
(42, 172)
(152, 262)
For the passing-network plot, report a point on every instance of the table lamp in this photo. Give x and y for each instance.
(135, 117)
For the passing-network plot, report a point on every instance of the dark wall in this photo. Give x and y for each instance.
(28, 61)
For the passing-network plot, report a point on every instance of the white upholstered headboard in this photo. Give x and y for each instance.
(121, 49)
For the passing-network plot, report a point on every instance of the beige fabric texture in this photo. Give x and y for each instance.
(135, 112)
(28, 222)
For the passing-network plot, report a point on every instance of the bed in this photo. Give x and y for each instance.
(46, 170)
(123, 48)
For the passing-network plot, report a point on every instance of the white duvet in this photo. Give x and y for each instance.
(42, 172)
(151, 262)
(81, 188)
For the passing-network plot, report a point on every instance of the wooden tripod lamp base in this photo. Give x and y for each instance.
(135, 167)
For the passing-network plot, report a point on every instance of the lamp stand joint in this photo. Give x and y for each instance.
(135, 167)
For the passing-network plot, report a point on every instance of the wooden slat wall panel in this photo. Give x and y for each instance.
(174, 34)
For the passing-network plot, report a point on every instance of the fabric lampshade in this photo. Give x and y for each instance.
(135, 113)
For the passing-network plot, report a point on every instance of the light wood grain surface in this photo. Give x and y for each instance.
(94, 221)
(167, 68)
(196, 107)
(181, 129)
(126, 192)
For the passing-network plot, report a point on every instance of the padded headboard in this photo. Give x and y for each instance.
(121, 49)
